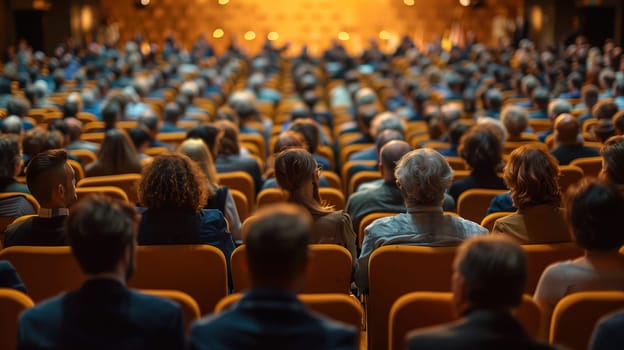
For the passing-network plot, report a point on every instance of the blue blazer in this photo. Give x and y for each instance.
(270, 319)
(9, 277)
(102, 314)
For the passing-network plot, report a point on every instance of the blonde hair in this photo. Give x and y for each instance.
(197, 150)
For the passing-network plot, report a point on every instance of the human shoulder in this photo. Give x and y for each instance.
(13, 232)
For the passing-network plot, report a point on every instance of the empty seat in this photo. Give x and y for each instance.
(129, 183)
(473, 204)
(12, 304)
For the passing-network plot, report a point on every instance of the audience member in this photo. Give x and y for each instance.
(103, 313)
(117, 156)
(11, 164)
(612, 153)
(488, 281)
(51, 181)
(608, 333)
(422, 176)
(171, 115)
(297, 172)
(593, 210)
(531, 175)
(516, 121)
(9, 277)
(270, 314)
(569, 141)
(74, 130)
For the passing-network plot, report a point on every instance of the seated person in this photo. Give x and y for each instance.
(612, 153)
(516, 121)
(569, 141)
(297, 172)
(482, 150)
(52, 183)
(531, 175)
(9, 277)
(171, 115)
(11, 164)
(103, 313)
(488, 281)
(311, 132)
(270, 315)
(456, 131)
(117, 156)
(608, 333)
(173, 192)
(383, 122)
(422, 176)
(593, 211)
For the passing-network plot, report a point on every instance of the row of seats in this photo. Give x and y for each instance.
(47, 271)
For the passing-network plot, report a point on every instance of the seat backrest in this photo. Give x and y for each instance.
(333, 197)
(591, 165)
(129, 183)
(190, 309)
(367, 220)
(45, 271)
(510, 146)
(171, 138)
(111, 191)
(426, 309)
(539, 125)
(457, 163)
(79, 173)
(241, 181)
(198, 270)
(12, 304)
(329, 269)
(242, 205)
(271, 196)
(340, 307)
(490, 219)
(473, 204)
(27, 196)
(332, 179)
(460, 174)
(348, 150)
(257, 140)
(395, 270)
(569, 175)
(540, 256)
(575, 316)
(348, 166)
(85, 156)
(362, 177)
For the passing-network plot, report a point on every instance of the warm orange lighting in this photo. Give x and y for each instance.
(218, 33)
(344, 36)
(273, 36)
(464, 2)
(250, 35)
(223, 2)
(408, 2)
(384, 35)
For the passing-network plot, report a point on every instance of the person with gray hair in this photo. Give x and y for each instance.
(423, 176)
(515, 119)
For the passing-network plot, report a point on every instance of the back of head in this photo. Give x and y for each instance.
(423, 176)
(613, 159)
(198, 152)
(386, 121)
(139, 137)
(229, 144)
(590, 95)
(386, 136)
(171, 112)
(593, 210)
(618, 122)
(277, 246)
(604, 109)
(567, 129)
(150, 121)
(18, 106)
(493, 270)
(531, 175)
(208, 133)
(456, 131)
(558, 107)
(541, 97)
(71, 109)
(12, 125)
(117, 153)
(100, 229)
(310, 131)
(173, 181)
(45, 171)
(603, 130)
(10, 156)
(294, 167)
(494, 99)
(515, 119)
(289, 139)
(111, 113)
(390, 154)
(481, 148)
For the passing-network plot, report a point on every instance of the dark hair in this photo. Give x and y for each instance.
(9, 155)
(110, 114)
(172, 112)
(173, 181)
(494, 270)
(18, 106)
(44, 171)
(99, 230)
(70, 109)
(117, 155)
(456, 131)
(613, 159)
(310, 131)
(229, 142)
(618, 122)
(277, 243)
(604, 109)
(481, 148)
(207, 133)
(531, 175)
(139, 136)
(34, 140)
(594, 208)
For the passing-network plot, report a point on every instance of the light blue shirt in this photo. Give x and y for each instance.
(419, 226)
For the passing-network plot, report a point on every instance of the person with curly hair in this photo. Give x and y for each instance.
(532, 174)
(173, 192)
(297, 172)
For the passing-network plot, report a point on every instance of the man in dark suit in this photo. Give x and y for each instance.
(569, 142)
(51, 181)
(103, 313)
(270, 316)
(489, 276)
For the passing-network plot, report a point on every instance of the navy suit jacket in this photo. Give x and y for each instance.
(102, 314)
(479, 329)
(9, 277)
(270, 319)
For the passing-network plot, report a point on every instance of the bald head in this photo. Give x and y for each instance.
(390, 154)
(567, 129)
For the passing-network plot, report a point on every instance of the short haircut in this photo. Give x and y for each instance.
(277, 243)
(172, 112)
(590, 95)
(18, 106)
(481, 148)
(515, 119)
(541, 96)
(531, 175)
(173, 181)
(44, 171)
(110, 114)
(494, 270)
(139, 136)
(456, 131)
(12, 125)
(423, 176)
(99, 230)
(207, 133)
(613, 159)
(604, 109)
(594, 208)
(9, 155)
(618, 122)
(386, 136)
(558, 107)
(149, 120)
